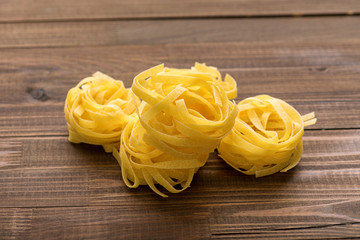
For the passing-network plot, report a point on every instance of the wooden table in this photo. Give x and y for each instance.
(305, 52)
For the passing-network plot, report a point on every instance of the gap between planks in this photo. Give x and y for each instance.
(47, 10)
(112, 33)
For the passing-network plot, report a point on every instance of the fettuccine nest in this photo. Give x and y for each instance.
(184, 115)
(97, 110)
(266, 138)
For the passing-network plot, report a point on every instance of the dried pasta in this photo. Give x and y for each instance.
(266, 138)
(97, 110)
(183, 117)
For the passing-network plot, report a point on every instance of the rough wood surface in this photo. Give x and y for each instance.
(104, 222)
(312, 76)
(52, 189)
(50, 171)
(48, 119)
(100, 33)
(79, 187)
(23, 10)
(50, 62)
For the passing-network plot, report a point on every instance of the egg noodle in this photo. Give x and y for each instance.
(266, 138)
(184, 115)
(97, 110)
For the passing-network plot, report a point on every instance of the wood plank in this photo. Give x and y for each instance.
(326, 231)
(49, 171)
(312, 76)
(50, 188)
(48, 119)
(22, 10)
(97, 33)
(304, 221)
(35, 66)
(316, 199)
(129, 222)
(15, 223)
(104, 222)
(291, 83)
(135, 58)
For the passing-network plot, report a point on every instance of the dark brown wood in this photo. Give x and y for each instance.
(22, 10)
(309, 75)
(173, 221)
(100, 33)
(332, 83)
(80, 194)
(106, 222)
(345, 230)
(48, 119)
(318, 220)
(15, 223)
(52, 189)
(50, 171)
(50, 62)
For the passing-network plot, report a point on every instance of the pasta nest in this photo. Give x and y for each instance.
(183, 117)
(97, 110)
(266, 138)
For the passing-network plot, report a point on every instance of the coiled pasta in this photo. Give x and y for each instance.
(97, 110)
(183, 117)
(185, 114)
(266, 138)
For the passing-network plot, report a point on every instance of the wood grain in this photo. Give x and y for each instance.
(62, 190)
(101, 33)
(327, 231)
(135, 58)
(15, 223)
(131, 222)
(309, 75)
(331, 220)
(52, 172)
(22, 10)
(104, 222)
(48, 119)
(52, 189)
(291, 83)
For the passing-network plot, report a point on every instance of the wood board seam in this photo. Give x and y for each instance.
(219, 16)
(262, 230)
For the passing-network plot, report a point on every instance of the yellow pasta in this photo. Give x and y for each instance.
(97, 110)
(143, 164)
(229, 83)
(266, 138)
(185, 114)
(183, 117)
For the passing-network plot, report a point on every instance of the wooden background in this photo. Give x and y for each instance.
(303, 51)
